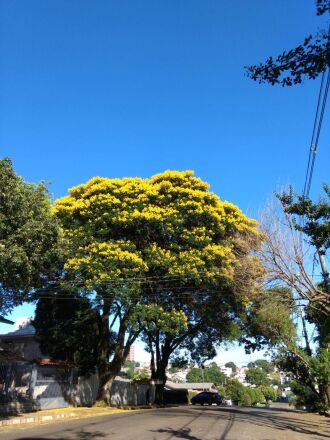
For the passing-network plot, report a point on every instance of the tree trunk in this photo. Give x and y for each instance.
(108, 370)
(160, 378)
(103, 350)
(159, 374)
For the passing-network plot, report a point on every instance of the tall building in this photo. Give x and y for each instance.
(131, 354)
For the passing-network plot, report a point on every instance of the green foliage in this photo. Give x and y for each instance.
(253, 396)
(248, 396)
(275, 378)
(231, 365)
(212, 374)
(311, 375)
(269, 393)
(316, 225)
(256, 376)
(67, 329)
(141, 375)
(235, 391)
(306, 61)
(265, 365)
(268, 322)
(164, 256)
(30, 238)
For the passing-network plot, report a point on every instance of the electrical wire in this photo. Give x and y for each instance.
(318, 120)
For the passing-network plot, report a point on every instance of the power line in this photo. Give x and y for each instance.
(318, 120)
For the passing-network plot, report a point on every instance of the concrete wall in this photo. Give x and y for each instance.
(123, 392)
(53, 387)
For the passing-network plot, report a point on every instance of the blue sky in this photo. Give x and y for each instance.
(131, 88)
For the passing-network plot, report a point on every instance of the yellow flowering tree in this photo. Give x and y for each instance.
(165, 241)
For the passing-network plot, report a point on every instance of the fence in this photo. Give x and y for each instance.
(31, 386)
(41, 387)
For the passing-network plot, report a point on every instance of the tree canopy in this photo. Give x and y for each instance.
(256, 376)
(316, 225)
(231, 365)
(67, 327)
(211, 374)
(153, 249)
(30, 238)
(305, 61)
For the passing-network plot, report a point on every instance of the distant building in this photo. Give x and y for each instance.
(227, 371)
(131, 354)
(240, 374)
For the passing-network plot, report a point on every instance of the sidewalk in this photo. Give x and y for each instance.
(62, 413)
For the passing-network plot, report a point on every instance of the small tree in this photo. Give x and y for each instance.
(236, 391)
(256, 376)
(212, 374)
(231, 365)
(265, 366)
(268, 392)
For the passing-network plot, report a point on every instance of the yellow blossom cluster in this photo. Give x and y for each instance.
(169, 225)
(155, 317)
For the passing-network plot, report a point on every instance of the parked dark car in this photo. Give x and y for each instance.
(206, 397)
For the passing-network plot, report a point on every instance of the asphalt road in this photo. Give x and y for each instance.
(184, 422)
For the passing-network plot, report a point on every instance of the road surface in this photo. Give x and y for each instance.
(184, 422)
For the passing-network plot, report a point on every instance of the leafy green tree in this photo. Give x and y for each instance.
(269, 321)
(276, 330)
(134, 243)
(231, 365)
(269, 393)
(316, 224)
(212, 374)
(306, 61)
(265, 365)
(30, 238)
(256, 376)
(67, 327)
(253, 396)
(236, 391)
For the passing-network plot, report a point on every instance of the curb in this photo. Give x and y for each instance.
(77, 415)
(33, 419)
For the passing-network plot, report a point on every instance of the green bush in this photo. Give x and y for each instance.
(268, 392)
(236, 391)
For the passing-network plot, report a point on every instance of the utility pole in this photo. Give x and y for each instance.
(202, 367)
(325, 273)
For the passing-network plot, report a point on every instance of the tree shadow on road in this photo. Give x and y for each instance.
(184, 433)
(277, 419)
(284, 420)
(81, 435)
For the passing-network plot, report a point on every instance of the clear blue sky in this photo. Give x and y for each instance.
(131, 88)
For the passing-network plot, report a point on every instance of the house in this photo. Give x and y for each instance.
(22, 342)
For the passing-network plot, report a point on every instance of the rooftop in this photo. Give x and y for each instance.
(28, 330)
